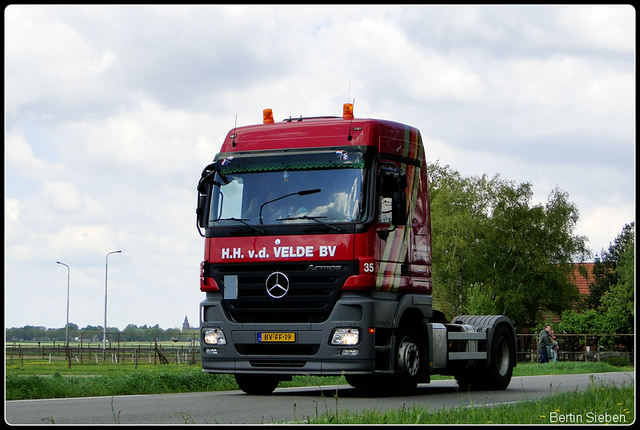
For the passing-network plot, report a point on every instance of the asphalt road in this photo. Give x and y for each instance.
(284, 405)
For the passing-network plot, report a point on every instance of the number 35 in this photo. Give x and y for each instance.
(368, 267)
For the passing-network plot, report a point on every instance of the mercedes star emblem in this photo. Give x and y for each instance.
(277, 285)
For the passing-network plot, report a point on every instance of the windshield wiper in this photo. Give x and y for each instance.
(244, 221)
(312, 218)
(299, 193)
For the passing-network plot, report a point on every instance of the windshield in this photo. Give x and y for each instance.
(314, 187)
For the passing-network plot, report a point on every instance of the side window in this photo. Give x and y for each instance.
(392, 196)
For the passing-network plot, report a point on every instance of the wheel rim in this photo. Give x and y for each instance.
(408, 358)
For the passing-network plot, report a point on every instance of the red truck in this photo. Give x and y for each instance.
(317, 261)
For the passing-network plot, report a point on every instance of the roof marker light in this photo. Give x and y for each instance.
(267, 116)
(347, 111)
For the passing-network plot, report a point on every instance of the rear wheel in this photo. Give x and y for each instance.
(500, 370)
(498, 375)
(257, 384)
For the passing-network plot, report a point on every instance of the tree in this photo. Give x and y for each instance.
(615, 315)
(495, 252)
(604, 269)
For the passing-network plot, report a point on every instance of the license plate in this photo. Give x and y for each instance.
(276, 337)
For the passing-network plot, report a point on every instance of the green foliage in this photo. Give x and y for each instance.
(614, 313)
(605, 268)
(495, 252)
(586, 322)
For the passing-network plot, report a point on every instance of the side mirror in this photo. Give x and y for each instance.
(204, 194)
(201, 210)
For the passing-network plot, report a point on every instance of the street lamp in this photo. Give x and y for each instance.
(68, 279)
(106, 271)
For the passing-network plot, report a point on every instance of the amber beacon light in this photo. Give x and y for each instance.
(267, 116)
(347, 111)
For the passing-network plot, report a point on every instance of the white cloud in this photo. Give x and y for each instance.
(599, 26)
(61, 196)
(149, 139)
(20, 157)
(50, 60)
(604, 223)
(12, 209)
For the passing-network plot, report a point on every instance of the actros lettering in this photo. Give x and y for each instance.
(321, 268)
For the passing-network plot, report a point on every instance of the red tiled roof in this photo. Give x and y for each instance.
(580, 281)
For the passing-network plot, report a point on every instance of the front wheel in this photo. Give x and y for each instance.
(257, 384)
(408, 353)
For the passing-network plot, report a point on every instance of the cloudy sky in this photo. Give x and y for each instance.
(112, 112)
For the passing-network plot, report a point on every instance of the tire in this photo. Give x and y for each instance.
(409, 353)
(257, 384)
(498, 376)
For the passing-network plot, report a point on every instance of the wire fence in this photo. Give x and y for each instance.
(182, 349)
(185, 349)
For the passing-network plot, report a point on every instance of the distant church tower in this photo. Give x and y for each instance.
(185, 324)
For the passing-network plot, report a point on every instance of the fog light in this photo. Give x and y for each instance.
(350, 352)
(211, 351)
(214, 336)
(345, 336)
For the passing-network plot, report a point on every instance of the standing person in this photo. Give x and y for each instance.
(543, 342)
(552, 349)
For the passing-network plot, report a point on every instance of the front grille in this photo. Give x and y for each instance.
(311, 296)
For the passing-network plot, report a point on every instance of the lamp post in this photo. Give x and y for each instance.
(67, 325)
(106, 271)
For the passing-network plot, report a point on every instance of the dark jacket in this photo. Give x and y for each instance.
(543, 339)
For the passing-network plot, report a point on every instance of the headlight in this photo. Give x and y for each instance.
(345, 336)
(214, 336)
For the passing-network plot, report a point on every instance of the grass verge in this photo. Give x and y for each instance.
(599, 404)
(49, 381)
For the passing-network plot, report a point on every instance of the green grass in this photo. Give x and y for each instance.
(599, 404)
(42, 380)
(567, 367)
(117, 383)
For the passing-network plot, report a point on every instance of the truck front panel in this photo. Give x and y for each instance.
(257, 344)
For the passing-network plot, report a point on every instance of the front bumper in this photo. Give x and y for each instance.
(310, 354)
